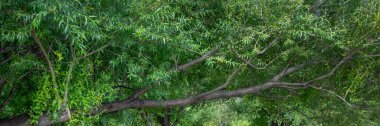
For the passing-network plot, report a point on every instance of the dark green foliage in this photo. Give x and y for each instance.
(137, 42)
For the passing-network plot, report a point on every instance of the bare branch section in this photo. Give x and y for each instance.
(50, 65)
(340, 97)
(268, 46)
(196, 61)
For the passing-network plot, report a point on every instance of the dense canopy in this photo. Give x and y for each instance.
(189, 62)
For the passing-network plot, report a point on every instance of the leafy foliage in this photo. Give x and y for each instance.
(95, 46)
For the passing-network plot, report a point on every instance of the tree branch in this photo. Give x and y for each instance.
(141, 91)
(340, 97)
(138, 103)
(287, 71)
(196, 61)
(8, 99)
(93, 52)
(37, 41)
(180, 112)
(268, 46)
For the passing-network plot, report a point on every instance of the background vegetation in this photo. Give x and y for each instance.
(228, 62)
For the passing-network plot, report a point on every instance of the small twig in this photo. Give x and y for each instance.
(344, 100)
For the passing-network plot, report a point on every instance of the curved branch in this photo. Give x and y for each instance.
(196, 61)
(51, 69)
(340, 97)
(268, 46)
(138, 103)
(130, 104)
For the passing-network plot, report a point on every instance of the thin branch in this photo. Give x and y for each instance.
(221, 86)
(95, 51)
(345, 59)
(268, 46)
(37, 41)
(256, 67)
(287, 71)
(141, 91)
(317, 5)
(71, 67)
(308, 83)
(196, 61)
(180, 112)
(137, 94)
(344, 100)
(145, 117)
(6, 101)
(123, 86)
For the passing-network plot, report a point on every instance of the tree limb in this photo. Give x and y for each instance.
(55, 86)
(138, 103)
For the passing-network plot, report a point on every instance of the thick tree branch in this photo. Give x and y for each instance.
(134, 102)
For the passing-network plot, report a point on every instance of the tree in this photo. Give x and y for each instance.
(68, 61)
